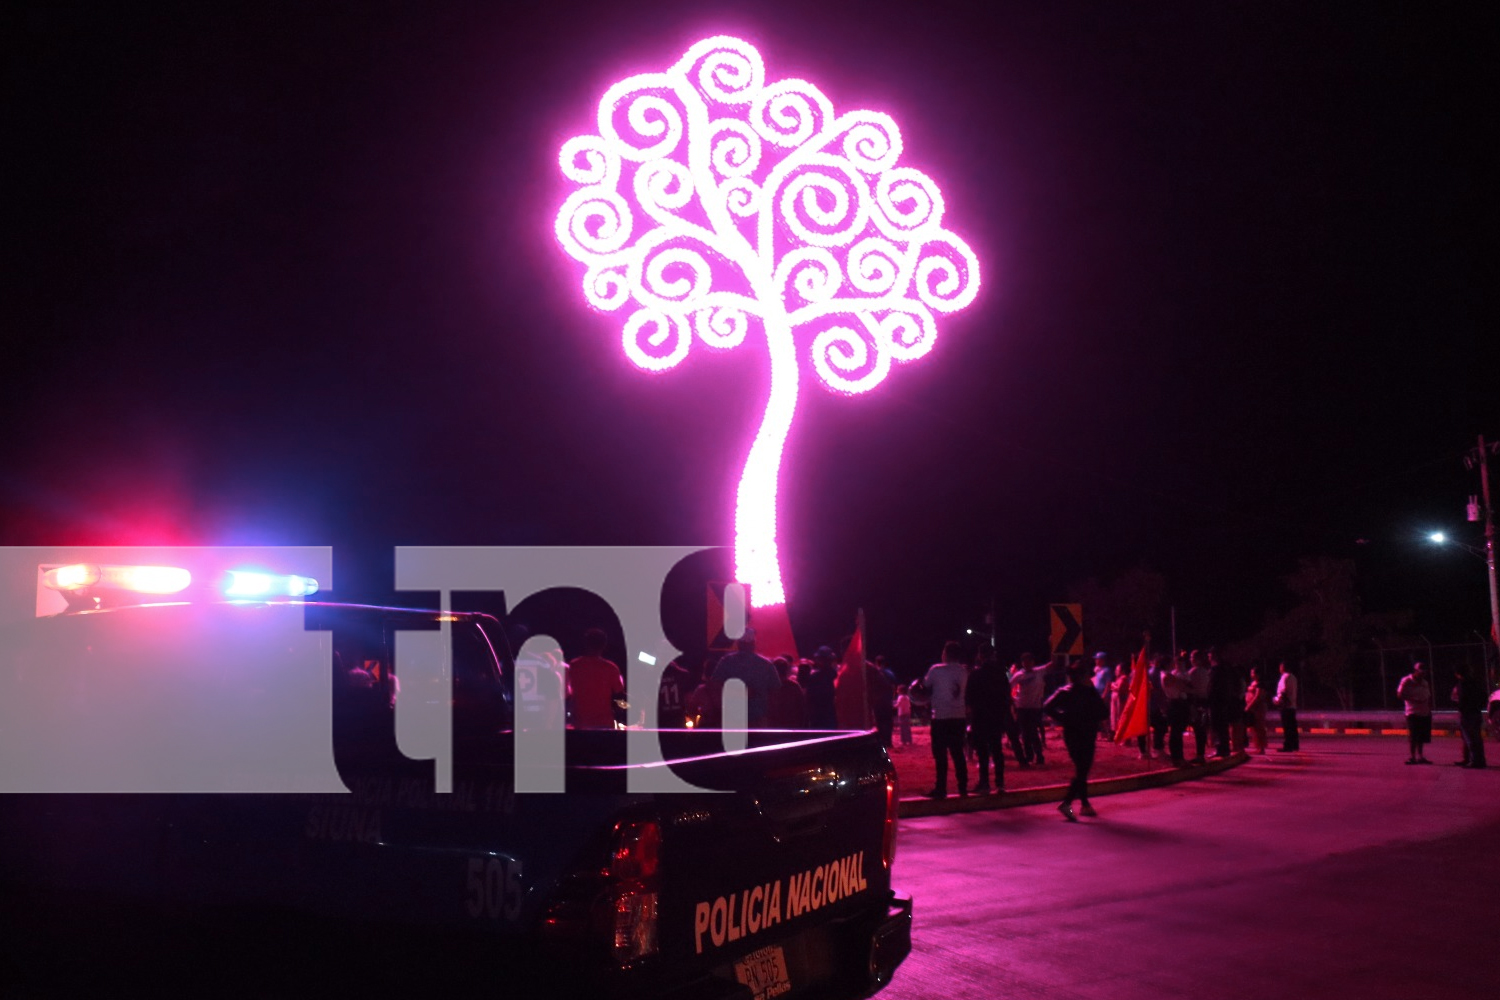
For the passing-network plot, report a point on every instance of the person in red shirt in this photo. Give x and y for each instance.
(594, 683)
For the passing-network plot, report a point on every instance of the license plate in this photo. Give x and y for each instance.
(764, 972)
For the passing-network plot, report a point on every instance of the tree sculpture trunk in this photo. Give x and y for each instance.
(755, 555)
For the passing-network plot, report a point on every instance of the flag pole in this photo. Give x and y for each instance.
(864, 678)
(1174, 636)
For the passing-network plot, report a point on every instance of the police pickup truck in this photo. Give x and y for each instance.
(771, 879)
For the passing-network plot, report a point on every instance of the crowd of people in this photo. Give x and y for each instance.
(1192, 694)
(976, 705)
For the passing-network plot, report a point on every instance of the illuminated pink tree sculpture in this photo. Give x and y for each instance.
(721, 207)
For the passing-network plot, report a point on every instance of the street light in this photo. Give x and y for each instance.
(989, 619)
(988, 637)
(1441, 538)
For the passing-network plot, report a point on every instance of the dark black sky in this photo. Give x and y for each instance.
(285, 274)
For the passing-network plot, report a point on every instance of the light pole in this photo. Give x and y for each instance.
(1480, 456)
(989, 620)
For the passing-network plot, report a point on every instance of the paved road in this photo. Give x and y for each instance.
(1337, 872)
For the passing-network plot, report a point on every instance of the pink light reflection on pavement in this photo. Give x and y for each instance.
(718, 205)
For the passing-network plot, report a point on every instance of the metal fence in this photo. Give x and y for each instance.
(1372, 676)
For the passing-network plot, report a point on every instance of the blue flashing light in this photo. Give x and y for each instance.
(252, 584)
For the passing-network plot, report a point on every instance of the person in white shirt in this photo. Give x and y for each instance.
(903, 715)
(1286, 700)
(1174, 689)
(945, 683)
(1030, 688)
(1415, 690)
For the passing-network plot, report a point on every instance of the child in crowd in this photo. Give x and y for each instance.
(903, 714)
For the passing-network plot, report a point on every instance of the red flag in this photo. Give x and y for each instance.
(850, 702)
(773, 632)
(1133, 720)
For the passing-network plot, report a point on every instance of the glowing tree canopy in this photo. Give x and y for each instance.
(718, 206)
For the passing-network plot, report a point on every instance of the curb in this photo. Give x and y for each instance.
(1374, 729)
(919, 806)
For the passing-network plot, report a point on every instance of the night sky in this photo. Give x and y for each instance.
(285, 274)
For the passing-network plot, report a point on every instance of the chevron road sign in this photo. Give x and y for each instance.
(1067, 630)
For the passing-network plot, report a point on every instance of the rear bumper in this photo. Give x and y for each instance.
(847, 958)
(891, 941)
(854, 955)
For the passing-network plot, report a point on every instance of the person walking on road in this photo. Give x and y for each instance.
(1416, 691)
(945, 683)
(1079, 709)
(1286, 701)
(1469, 693)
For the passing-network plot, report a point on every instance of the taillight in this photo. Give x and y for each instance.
(635, 924)
(614, 901)
(634, 889)
(892, 807)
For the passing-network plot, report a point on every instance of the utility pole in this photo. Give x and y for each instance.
(1480, 456)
